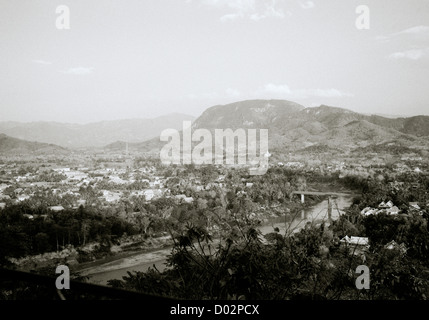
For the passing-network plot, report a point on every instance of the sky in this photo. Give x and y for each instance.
(121, 59)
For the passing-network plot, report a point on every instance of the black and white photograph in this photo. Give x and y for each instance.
(214, 154)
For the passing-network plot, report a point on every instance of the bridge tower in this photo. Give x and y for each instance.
(329, 209)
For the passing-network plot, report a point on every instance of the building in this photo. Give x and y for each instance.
(356, 245)
(357, 241)
(393, 245)
(182, 197)
(56, 208)
(386, 207)
(393, 210)
(414, 206)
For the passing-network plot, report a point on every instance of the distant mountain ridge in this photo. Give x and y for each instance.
(96, 134)
(246, 114)
(292, 126)
(14, 146)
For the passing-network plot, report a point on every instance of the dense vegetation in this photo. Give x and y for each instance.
(219, 253)
(48, 231)
(30, 227)
(311, 264)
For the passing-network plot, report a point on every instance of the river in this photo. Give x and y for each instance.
(315, 213)
(142, 261)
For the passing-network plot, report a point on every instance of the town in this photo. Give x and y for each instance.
(85, 208)
(63, 183)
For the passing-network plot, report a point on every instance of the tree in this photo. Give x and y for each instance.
(42, 242)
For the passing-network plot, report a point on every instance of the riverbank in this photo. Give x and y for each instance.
(139, 252)
(91, 255)
(138, 246)
(117, 267)
(128, 251)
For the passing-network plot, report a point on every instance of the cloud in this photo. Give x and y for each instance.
(329, 93)
(254, 10)
(307, 5)
(413, 54)
(79, 71)
(232, 93)
(417, 31)
(42, 62)
(414, 42)
(272, 91)
(231, 16)
(278, 89)
(283, 90)
(202, 96)
(240, 5)
(414, 30)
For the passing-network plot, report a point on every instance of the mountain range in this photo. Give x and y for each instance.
(96, 134)
(291, 126)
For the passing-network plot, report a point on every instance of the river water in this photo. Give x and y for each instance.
(142, 261)
(314, 214)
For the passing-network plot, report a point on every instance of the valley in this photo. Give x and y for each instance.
(116, 208)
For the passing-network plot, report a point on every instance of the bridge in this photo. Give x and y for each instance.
(318, 193)
(329, 194)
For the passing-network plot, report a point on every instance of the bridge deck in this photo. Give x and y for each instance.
(317, 193)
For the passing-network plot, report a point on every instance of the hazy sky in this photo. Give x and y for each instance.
(145, 58)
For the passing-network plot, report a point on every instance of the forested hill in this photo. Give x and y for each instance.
(293, 127)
